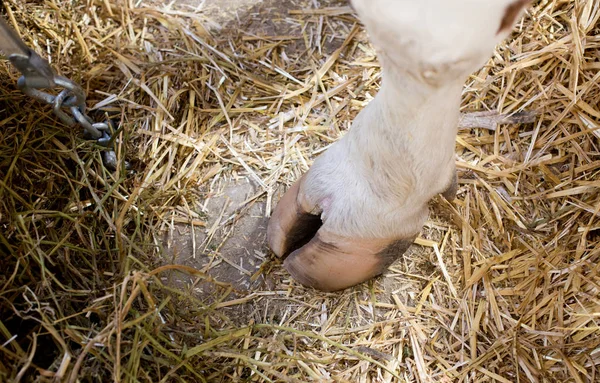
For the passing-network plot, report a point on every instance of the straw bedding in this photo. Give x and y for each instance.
(502, 285)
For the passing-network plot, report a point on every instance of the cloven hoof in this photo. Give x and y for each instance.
(318, 258)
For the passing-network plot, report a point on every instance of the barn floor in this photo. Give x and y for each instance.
(162, 273)
(231, 247)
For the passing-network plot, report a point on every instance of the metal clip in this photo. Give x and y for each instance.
(35, 69)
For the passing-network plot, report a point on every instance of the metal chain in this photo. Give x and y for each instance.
(37, 75)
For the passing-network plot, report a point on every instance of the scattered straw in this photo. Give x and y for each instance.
(503, 284)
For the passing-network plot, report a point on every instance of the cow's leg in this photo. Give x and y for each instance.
(364, 200)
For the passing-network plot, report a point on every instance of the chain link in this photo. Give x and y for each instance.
(37, 74)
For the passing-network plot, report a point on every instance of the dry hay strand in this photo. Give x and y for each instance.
(502, 285)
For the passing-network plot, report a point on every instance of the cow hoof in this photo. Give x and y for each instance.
(319, 258)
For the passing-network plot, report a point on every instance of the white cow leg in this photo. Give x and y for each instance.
(364, 200)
